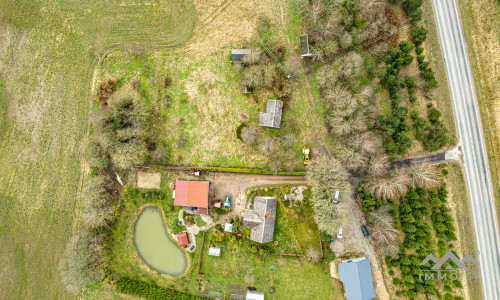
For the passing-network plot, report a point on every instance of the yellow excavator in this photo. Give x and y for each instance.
(305, 151)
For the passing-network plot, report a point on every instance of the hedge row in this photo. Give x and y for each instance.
(151, 291)
(249, 171)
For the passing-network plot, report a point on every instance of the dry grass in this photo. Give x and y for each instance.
(481, 24)
(462, 215)
(199, 122)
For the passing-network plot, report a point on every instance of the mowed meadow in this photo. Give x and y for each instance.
(48, 53)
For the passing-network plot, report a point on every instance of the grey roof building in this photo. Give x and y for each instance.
(304, 46)
(356, 275)
(261, 219)
(238, 54)
(272, 116)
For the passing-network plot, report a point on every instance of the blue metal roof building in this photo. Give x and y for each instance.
(356, 275)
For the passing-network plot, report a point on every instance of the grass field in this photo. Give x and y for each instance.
(461, 207)
(481, 23)
(48, 50)
(200, 112)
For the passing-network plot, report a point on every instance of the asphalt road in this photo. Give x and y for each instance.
(472, 140)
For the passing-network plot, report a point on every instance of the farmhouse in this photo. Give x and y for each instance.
(272, 116)
(237, 55)
(356, 275)
(182, 238)
(261, 219)
(193, 194)
(304, 46)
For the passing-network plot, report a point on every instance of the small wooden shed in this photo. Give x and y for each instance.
(183, 240)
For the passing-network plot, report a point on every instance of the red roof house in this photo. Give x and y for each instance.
(182, 238)
(203, 211)
(191, 193)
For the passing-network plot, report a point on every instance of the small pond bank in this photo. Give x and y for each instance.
(154, 245)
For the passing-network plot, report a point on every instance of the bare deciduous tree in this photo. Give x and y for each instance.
(424, 177)
(79, 266)
(388, 187)
(249, 135)
(267, 145)
(327, 176)
(313, 254)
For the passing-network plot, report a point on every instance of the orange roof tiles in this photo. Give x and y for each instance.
(191, 193)
(182, 238)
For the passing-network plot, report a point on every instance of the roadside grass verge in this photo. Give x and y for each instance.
(442, 95)
(478, 24)
(463, 216)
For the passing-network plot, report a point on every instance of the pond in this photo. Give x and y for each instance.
(154, 245)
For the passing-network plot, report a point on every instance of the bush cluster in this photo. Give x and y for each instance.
(151, 291)
(413, 11)
(249, 171)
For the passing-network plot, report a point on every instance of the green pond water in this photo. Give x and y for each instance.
(154, 245)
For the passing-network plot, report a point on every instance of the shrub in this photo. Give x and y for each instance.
(396, 281)
(419, 50)
(413, 99)
(418, 35)
(151, 291)
(104, 90)
(410, 82)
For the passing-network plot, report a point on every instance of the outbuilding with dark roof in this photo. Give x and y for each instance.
(272, 116)
(237, 55)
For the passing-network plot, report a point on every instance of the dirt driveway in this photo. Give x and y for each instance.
(234, 185)
(354, 244)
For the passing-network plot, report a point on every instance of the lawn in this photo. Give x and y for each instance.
(293, 278)
(295, 228)
(48, 50)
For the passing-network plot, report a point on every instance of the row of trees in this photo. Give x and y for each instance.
(86, 256)
(120, 139)
(122, 133)
(327, 175)
(424, 197)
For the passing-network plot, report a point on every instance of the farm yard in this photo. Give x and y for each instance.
(239, 265)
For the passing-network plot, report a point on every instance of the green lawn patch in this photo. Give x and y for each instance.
(199, 221)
